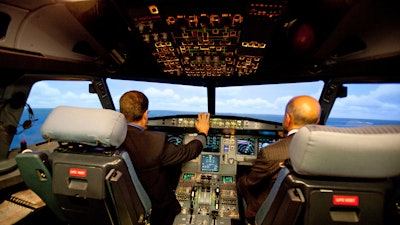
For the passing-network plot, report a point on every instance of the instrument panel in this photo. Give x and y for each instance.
(234, 138)
(207, 186)
(223, 122)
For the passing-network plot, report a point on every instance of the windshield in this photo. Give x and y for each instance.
(266, 102)
(366, 104)
(256, 101)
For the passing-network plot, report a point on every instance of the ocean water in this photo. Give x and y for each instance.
(33, 135)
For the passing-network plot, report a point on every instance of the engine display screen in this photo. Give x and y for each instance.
(209, 163)
(213, 143)
(245, 146)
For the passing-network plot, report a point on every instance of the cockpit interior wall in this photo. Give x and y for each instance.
(215, 47)
(28, 31)
(11, 107)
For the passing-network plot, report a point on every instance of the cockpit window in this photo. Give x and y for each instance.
(367, 105)
(164, 99)
(45, 96)
(49, 94)
(265, 102)
(257, 101)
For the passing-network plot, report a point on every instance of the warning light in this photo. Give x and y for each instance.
(77, 172)
(348, 200)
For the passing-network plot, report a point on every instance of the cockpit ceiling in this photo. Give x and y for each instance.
(228, 42)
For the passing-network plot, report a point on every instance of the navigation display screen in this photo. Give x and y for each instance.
(176, 139)
(209, 163)
(213, 143)
(245, 146)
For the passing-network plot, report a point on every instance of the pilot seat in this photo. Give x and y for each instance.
(93, 181)
(337, 176)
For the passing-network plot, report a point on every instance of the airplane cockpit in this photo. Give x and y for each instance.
(75, 59)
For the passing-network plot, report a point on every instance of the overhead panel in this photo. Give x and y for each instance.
(204, 42)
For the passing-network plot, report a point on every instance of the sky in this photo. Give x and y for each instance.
(364, 101)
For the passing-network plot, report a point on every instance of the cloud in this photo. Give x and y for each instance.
(195, 100)
(42, 88)
(49, 94)
(244, 105)
(379, 103)
(387, 92)
(229, 92)
(161, 99)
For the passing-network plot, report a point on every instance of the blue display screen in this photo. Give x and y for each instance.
(245, 146)
(213, 144)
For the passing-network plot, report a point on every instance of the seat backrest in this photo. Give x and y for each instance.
(275, 210)
(144, 198)
(360, 152)
(339, 176)
(35, 170)
(101, 180)
(95, 127)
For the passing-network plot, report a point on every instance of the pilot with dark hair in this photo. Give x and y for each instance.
(156, 161)
(255, 186)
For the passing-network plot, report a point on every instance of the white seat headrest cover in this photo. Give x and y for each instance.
(91, 126)
(360, 152)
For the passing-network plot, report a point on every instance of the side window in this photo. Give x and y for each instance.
(45, 96)
(367, 105)
(5, 20)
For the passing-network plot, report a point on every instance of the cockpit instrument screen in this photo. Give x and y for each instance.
(209, 163)
(188, 176)
(227, 179)
(263, 142)
(213, 143)
(245, 146)
(176, 139)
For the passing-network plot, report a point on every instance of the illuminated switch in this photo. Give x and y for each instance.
(153, 9)
(170, 20)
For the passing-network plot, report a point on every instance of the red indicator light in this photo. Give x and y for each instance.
(345, 200)
(77, 172)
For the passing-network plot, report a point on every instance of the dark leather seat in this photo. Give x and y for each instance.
(338, 176)
(92, 181)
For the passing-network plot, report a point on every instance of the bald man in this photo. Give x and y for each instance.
(255, 186)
